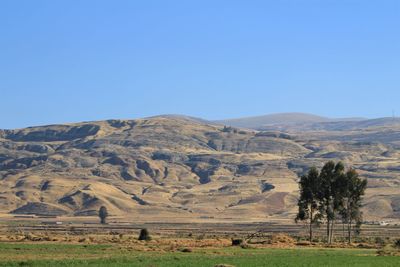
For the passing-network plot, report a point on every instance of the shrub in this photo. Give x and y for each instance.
(144, 235)
(237, 242)
(380, 241)
(397, 243)
(185, 250)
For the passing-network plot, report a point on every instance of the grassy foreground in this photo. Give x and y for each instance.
(108, 255)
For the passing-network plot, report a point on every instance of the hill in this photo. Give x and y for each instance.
(281, 120)
(271, 119)
(181, 167)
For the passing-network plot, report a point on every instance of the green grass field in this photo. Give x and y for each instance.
(107, 255)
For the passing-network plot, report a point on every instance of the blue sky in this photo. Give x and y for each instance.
(70, 61)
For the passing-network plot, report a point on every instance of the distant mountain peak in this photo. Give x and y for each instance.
(271, 119)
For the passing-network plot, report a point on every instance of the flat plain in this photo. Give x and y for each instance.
(25, 243)
(14, 254)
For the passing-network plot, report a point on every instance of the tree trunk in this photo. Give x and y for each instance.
(328, 224)
(311, 223)
(331, 231)
(349, 219)
(331, 227)
(343, 231)
(349, 231)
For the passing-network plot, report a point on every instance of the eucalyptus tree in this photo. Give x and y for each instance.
(308, 203)
(331, 192)
(354, 189)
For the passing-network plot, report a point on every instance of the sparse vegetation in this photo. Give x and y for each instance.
(116, 248)
(229, 129)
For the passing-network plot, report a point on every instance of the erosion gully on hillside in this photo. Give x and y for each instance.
(178, 167)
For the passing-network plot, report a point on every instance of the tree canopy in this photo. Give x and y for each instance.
(330, 194)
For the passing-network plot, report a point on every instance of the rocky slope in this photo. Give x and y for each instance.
(172, 166)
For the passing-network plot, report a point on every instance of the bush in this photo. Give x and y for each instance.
(237, 242)
(397, 243)
(185, 250)
(144, 235)
(380, 241)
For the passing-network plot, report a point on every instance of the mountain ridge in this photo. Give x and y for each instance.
(168, 166)
(257, 122)
(250, 122)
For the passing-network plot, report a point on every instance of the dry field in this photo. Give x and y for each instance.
(111, 248)
(84, 242)
(88, 228)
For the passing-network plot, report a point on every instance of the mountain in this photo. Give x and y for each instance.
(281, 119)
(183, 117)
(299, 122)
(175, 167)
(271, 119)
(334, 125)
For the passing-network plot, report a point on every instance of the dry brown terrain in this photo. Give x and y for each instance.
(171, 168)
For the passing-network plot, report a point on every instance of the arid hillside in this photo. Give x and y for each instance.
(181, 167)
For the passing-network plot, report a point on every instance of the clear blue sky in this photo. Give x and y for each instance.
(69, 61)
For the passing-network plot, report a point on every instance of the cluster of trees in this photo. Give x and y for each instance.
(330, 195)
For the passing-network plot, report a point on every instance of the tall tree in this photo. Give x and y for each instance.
(308, 201)
(331, 194)
(103, 214)
(354, 189)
